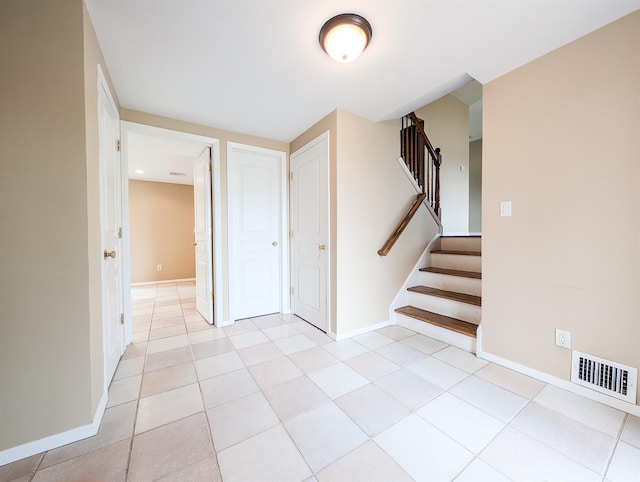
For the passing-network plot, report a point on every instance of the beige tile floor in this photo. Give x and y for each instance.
(274, 399)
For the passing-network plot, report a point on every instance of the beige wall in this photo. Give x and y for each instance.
(223, 136)
(561, 142)
(92, 58)
(45, 360)
(369, 195)
(447, 125)
(373, 196)
(475, 186)
(161, 231)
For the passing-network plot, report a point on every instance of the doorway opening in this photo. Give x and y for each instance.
(186, 166)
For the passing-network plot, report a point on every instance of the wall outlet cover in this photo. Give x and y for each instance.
(563, 338)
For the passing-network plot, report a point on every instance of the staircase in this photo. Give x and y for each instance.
(446, 302)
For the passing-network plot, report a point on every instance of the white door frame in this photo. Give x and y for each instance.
(216, 187)
(285, 301)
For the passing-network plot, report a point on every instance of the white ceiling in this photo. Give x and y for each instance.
(255, 66)
(156, 155)
(161, 159)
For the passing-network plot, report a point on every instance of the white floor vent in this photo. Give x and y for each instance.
(619, 381)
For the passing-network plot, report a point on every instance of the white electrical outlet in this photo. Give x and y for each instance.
(159, 267)
(563, 338)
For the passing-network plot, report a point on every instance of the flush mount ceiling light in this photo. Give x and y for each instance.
(344, 37)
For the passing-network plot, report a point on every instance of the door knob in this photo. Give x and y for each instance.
(322, 247)
(109, 254)
(275, 243)
(194, 244)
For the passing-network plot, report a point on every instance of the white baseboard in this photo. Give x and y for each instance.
(560, 383)
(163, 282)
(57, 440)
(360, 331)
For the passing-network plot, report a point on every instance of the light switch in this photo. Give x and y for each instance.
(505, 209)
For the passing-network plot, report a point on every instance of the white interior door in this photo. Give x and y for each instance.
(111, 223)
(309, 222)
(203, 235)
(255, 243)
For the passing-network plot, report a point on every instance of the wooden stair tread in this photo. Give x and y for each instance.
(463, 253)
(453, 272)
(453, 324)
(450, 295)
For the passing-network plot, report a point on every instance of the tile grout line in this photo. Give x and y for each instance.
(204, 408)
(135, 417)
(35, 471)
(618, 439)
(261, 391)
(202, 400)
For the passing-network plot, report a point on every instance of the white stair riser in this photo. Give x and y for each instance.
(456, 261)
(461, 244)
(459, 284)
(459, 340)
(443, 306)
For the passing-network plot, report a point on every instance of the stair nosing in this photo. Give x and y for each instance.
(457, 252)
(442, 321)
(446, 294)
(452, 272)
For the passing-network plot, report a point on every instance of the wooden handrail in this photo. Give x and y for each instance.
(401, 227)
(418, 124)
